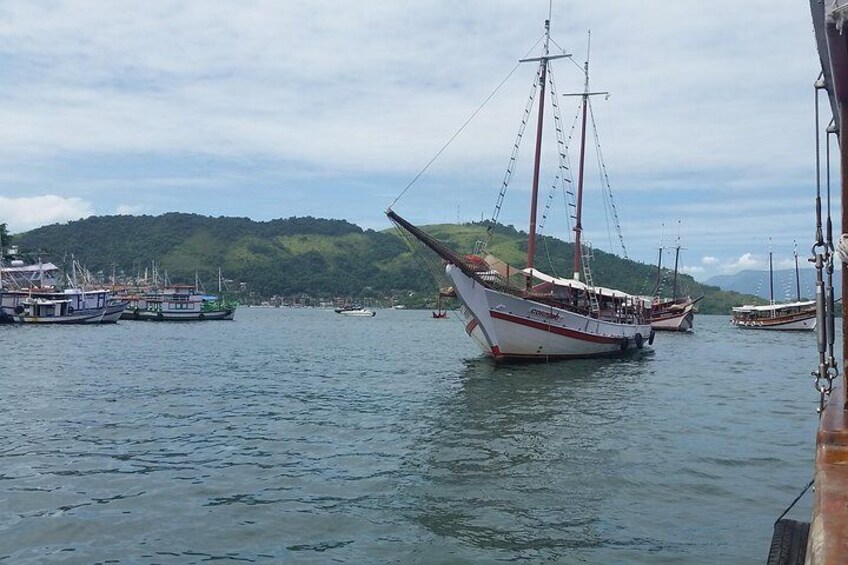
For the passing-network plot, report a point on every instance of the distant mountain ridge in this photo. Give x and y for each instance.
(756, 283)
(314, 256)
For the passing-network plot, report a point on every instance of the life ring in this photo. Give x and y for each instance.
(70, 309)
(651, 337)
(160, 316)
(625, 343)
(201, 316)
(639, 341)
(19, 309)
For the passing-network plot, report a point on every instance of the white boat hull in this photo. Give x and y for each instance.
(678, 323)
(798, 324)
(510, 327)
(358, 313)
(84, 317)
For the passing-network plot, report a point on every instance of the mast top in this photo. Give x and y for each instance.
(546, 56)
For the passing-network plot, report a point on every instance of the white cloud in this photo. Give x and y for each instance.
(21, 214)
(188, 105)
(744, 262)
(709, 260)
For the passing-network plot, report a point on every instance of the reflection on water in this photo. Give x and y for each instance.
(516, 458)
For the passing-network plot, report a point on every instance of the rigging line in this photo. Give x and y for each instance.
(607, 182)
(794, 502)
(463, 126)
(563, 171)
(604, 194)
(563, 175)
(513, 158)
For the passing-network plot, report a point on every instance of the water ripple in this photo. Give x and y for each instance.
(299, 435)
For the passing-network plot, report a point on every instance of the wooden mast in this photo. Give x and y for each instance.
(534, 197)
(578, 221)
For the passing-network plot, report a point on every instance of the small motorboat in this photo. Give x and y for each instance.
(358, 313)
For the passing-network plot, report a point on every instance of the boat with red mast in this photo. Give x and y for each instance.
(523, 313)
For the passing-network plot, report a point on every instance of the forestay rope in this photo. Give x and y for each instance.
(462, 127)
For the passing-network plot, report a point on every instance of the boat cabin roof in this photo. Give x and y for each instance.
(770, 307)
(578, 285)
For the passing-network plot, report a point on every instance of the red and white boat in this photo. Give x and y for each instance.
(515, 314)
(673, 315)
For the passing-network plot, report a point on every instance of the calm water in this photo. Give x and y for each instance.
(304, 436)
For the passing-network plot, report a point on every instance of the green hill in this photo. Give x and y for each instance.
(312, 256)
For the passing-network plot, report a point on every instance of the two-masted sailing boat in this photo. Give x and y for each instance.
(797, 315)
(675, 314)
(516, 313)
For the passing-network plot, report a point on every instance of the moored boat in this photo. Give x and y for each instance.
(178, 303)
(675, 314)
(799, 315)
(525, 314)
(71, 306)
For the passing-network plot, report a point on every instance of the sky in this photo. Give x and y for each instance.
(270, 109)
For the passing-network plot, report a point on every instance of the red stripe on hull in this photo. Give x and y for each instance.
(469, 327)
(553, 329)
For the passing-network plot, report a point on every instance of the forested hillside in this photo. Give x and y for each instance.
(311, 256)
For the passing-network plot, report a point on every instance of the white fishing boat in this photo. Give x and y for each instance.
(178, 303)
(30, 296)
(515, 314)
(71, 306)
(799, 315)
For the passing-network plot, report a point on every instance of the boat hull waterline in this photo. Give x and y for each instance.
(147, 315)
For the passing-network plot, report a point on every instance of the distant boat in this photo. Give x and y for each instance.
(441, 314)
(35, 300)
(179, 303)
(675, 314)
(358, 313)
(71, 306)
(797, 315)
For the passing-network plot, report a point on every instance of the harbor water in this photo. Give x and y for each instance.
(303, 436)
